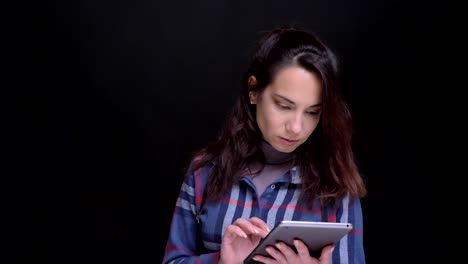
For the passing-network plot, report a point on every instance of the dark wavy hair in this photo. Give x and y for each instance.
(325, 161)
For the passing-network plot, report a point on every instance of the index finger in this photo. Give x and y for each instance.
(260, 224)
(248, 227)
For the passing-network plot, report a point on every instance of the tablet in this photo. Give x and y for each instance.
(315, 235)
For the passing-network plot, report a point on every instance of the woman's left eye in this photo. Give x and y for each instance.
(282, 106)
(313, 113)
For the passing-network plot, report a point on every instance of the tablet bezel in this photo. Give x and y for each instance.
(315, 235)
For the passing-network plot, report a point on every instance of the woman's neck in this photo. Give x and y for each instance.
(273, 156)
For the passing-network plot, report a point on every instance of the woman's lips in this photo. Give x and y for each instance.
(288, 142)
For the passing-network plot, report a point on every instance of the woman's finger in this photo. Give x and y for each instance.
(326, 254)
(302, 249)
(286, 251)
(276, 254)
(247, 227)
(259, 223)
(264, 259)
(234, 230)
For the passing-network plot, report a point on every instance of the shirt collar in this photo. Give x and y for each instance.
(292, 176)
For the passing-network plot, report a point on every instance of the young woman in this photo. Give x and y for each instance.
(284, 154)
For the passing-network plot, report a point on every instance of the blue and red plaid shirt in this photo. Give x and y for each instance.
(195, 235)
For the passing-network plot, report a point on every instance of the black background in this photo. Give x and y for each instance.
(116, 95)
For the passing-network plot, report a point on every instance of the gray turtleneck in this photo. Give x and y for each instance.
(276, 165)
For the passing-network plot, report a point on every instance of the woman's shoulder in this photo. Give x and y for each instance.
(199, 166)
(197, 174)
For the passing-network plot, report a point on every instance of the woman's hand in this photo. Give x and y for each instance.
(241, 238)
(283, 254)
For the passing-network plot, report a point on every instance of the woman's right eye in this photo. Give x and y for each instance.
(282, 106)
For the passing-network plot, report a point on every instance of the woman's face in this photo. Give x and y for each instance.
(288, 110)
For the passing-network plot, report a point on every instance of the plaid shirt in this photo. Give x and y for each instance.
(195, 235)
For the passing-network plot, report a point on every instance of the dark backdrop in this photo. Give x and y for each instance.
(125, 91)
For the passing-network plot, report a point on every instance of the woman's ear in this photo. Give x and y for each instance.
(252, 82)
(253, 97)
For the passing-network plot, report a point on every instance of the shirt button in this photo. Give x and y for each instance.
(272, 186)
